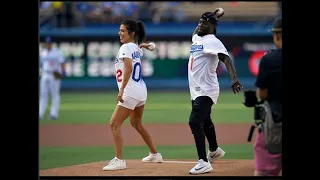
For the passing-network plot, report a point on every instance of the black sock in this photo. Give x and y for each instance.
(210, 133)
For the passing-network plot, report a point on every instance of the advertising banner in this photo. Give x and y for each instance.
(93, 57)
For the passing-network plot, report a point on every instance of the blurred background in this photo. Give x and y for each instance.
(87, 34)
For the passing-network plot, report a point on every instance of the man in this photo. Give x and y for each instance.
(52, 68)
(205, 53)
(269, 87)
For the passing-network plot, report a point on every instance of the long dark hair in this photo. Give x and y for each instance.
(137, 27)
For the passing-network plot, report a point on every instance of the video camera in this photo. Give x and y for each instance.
(251, 100)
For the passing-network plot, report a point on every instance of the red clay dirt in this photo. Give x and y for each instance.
(138, 168)
(169, 134)
(163, 134)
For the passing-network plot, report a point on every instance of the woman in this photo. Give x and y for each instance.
(132, 92)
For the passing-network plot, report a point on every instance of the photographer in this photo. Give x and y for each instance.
(268, 143)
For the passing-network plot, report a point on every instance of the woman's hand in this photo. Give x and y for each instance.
(120, 94)
(148, 46)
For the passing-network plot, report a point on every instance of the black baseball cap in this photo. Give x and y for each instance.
(48, 39)
(211, 17)
(277, 25)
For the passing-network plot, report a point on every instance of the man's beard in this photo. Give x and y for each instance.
(201, 33)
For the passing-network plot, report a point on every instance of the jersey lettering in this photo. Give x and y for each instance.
(134, 72)
(119, 74)
(135, 55)
(116, 61)
(196, 48)
(191, 63)
(52, 63)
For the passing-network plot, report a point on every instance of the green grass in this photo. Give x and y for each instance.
(161, 107)
(51, 157)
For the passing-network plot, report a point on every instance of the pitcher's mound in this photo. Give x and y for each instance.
(167, 168)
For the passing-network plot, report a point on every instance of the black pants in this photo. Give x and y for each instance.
(201, 125)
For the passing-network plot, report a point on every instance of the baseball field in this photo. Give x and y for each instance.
(80, 142)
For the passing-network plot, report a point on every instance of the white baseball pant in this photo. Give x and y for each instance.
(49, 84)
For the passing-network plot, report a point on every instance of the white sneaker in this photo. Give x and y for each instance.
(201, 167)
(154, 158)
(115, 164)
(212, 156)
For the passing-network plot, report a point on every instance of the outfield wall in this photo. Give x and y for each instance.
(90, 54)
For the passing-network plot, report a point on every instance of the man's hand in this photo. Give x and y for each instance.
(236, 86)
(57, 75)
(120, 94)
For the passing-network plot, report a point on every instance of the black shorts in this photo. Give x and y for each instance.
(201, 108)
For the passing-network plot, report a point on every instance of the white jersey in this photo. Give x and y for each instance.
(203, 62)
(136, 87)
(51, 60)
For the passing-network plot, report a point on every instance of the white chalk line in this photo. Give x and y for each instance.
(180, 162)
(194, 162)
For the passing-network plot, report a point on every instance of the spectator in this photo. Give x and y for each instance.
(81, 9)
(168, 12)
(45, 5)
(58, 12)
(145, 11)
(68, 14)
(280, 8)
(177, 13)
(132, 10)
(118, 11)
(107, 10)
(45, 13)
(93, 12)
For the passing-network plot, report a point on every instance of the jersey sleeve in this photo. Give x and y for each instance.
(214, 47)
(124, 52)
(195, 37)
(42, 56)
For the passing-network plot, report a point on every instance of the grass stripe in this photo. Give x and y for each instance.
(150, 106)
(161, 107)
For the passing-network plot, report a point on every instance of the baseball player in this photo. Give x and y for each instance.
(205, 53)
(132, 92)
(52, 69)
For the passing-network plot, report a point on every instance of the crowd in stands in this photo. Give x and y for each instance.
(66, 14)
(73, 14)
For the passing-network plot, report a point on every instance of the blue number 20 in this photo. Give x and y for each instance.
(134, 72)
